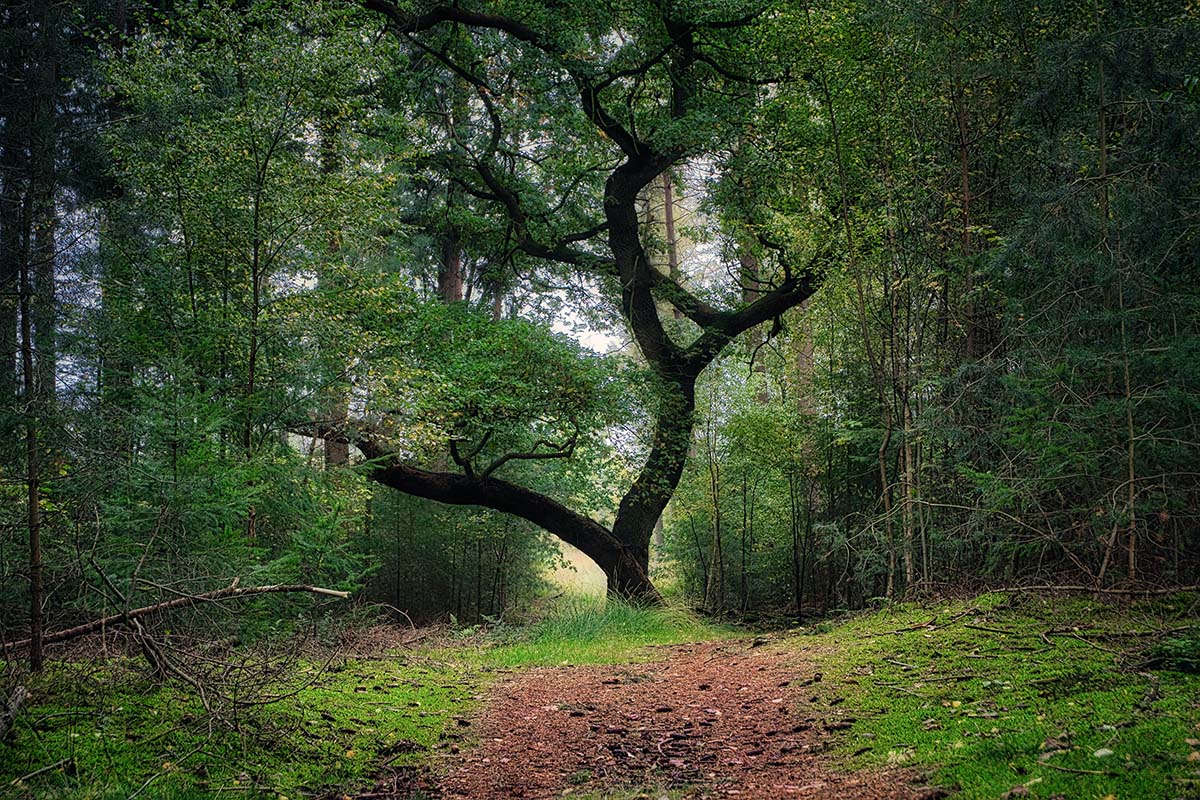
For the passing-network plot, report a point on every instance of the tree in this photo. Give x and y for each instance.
(629, 97)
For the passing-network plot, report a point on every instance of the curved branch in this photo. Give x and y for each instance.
(791, 293)
(412, 23)
(466, 461)
(497, 494)
(684, 301)
(564, 450)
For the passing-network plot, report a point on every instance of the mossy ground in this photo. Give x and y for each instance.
(984, 695)
(1045, 696)
(118, 733)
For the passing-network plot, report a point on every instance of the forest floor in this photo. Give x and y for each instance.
(997, 696)
(714, 719)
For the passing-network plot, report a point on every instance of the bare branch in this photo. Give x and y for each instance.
(554, 450)
(231, 592)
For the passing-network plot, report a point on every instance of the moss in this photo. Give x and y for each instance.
(118, 733)
(1002, 691)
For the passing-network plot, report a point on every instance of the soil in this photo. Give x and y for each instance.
(711, 720)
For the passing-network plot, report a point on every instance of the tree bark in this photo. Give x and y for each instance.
(335, 448)
(33, 500)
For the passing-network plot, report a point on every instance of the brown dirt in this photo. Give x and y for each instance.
(719, 719)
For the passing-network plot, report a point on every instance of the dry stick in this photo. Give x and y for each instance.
(42, 771)
(230, 592)
(1076, 771)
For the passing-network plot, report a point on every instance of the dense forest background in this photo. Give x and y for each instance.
(263, 265)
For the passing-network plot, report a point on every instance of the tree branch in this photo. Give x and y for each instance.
(231, 592)
(793, 291)
(564, 450)
(410, 23)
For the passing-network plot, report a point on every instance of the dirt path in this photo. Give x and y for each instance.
(717, 719)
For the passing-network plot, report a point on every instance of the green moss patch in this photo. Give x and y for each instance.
(114, 735)
(1038, 697)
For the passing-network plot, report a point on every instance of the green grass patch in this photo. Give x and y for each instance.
(584, 630)
(1049, 694)
(120, 735)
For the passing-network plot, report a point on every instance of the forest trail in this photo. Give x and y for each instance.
(715, 719)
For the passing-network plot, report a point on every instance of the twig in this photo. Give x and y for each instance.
(1092, 589)
(1077, 771)
(932, 624)
(42, 771)
(1088, 642)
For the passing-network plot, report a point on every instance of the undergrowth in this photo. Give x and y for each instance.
(1015, 696)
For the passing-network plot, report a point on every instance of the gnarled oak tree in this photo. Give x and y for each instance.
(611, 99)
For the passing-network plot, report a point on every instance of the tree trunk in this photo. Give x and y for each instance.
(626, 564)
(32, 452)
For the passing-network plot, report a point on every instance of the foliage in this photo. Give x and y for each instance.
(994, 381)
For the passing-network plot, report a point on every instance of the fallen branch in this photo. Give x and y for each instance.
(231, 592)
(1148, 591)
(932, 625)
(12, 708)
(986, 628)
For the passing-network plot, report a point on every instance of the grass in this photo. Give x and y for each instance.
(1041, 696)
(591, 631)
(119, 733)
